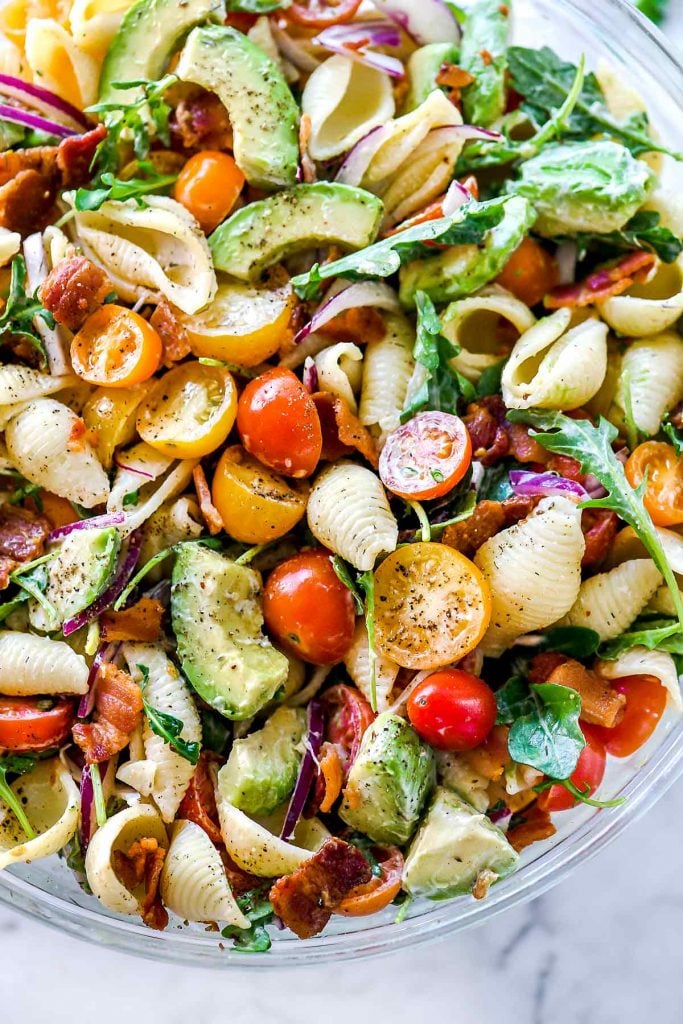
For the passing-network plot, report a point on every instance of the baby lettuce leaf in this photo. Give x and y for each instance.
(259, 912)
(643, 231)
(673, 436)
(574, 641)
(482, 53)
(544, 725)
(21, 310)
(659, 635)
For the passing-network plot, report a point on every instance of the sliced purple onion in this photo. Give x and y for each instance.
(425, 21)
(548, 484)
(594, 488)
(94, 523)
(456, 196)
(364, 293)
(133, 469)
(358, 158)
(293, 50)
(315, 723)
(310, 375)
(40, 124)
(106, 652)
(123, 574)
(501, 818)
(88, 822)
(472, 132)
(39, 98)
(353, 41)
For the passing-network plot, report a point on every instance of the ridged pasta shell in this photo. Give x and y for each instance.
(472, 324)
(387, 368)
(31, 664)
(639, 661)
(51, 800)
(609, 602)
(647, 308)
(22, 384)
(256, 849)
(193, 881)
(652, 379)
(357, 664)
(420, 180)
(119, 833)
(340, 371)
(59, 64)
(94, 23)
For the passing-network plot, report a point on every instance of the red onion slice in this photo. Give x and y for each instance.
(456, 196)
(94, 523)
(88, 823)
(425, 21)
(358, 158)
(309, 377)
(364, 293)
(41, 124)
(123, 574)
(548, 484)
(132, 469)
(315, 724)
(48, 103)
(353, 41)
(105, 652)
(472, 132)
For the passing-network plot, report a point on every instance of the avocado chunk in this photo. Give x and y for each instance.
(262, 768)
(423, 68)
(389, 781)
(151, 30)
(463, 269)
(264, 232)
(217, 621)
(452, 848)
(263, 114)
(81, 569)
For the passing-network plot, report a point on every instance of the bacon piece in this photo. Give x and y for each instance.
(360, 325)
(118, 709)
(490, 758)
(25, 202)
(454, 79)
(493, 436)
(544, 664)
(142, 865)
(22, 533)
(532, 826)
(304, 901)
(201, 122)
(199, 803)
(240, 881)
(42, 159)
(600, 704)
(7, 567)
(174, 337)
(566, 466)
(342, 431)
(488, 519)
(599, 527)
(612, 279)
(140, 623)
(211, 515)
(74, 289)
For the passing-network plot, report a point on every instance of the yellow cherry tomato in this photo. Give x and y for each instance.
(189, 412)
(110, 414)
(116, 348)
(255, 504)
(432, 606)
(245, 324)
(208, 186)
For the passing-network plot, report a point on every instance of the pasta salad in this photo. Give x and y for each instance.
(341, 469)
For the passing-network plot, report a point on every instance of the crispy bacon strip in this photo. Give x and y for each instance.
(142, 865)
(22, 533)
(534, 826)
(240, 881)
(358, 325)
(199, 803)
(342, 431)
(174, 337)
(201, 122)
(305, 900)
(454, 79)
(493, 437)
(74, 289)
(599, 527)
(25, 202)
(612, 279)
(118, 708)
(307, 165)
(75, 156)
(544, 664)
(600, 704)
(211, 515)
(488, 519)
(141, 622)
(491, 758)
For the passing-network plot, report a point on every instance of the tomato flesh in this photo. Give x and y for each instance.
(587, 776)
(322, 13)
(255, 504)
(208, 186)
(116, 347)
(530, 273)
(279, 424)
(426, 457)
(379, 892)
(645, 704)
(347, 716)
(452, 710)
(26, 724)
(663, 496)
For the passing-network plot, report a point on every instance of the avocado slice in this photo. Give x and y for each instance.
(262, 768)
(453, 846)
(263, 114)
(148, 34)
(423, 68)
(217, 621)
(305, 216)
(81, 569)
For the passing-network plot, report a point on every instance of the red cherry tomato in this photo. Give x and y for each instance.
(452, 710)
(645, 703)
(34, 723)
(308, 608)
(278, 423)
(347, 716)
(322, 13)
(587, 775)
(426, 457)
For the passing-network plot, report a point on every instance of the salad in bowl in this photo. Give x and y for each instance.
(342, 409)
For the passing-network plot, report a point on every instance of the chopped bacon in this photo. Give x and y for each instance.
(488, 519)
(7, 567)
(22, 533)
(241, 881)
(493, 437)
(600, 704)
(491, 757)
(599, 527)
(118, 709)
(26, 202)
(304, 901)
(532, 826)
(544, 664)
(142, 865)
(454, 79)
(358, 325)
(74, 289)
(486, 56)
(174, 337)
(201, 122)
(342, 431)
(329, 780)
(140, 623)
(211, 515)
(80, 436)
(199, 803)
(307, 165)
(75, 156)
(612, 279)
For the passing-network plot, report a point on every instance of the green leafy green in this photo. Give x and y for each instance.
(544, 725)
(132, 498)
(21, 310)
(674, 435)
(490, 381)
(482, 53)
(495, 482)
(643, 231)
(99, 802)
(578, 794)
(512, 700)
(344, 573)
(137, 123)
(74, 855)
(7, 607)
(591, 446)
(655, 10)
(168, 727)
(216, 731)
(259, 912)
(660, 635)
(16, 765)
(574, 641)
(111, 187)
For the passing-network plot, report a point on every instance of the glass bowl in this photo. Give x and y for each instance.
(46, 890)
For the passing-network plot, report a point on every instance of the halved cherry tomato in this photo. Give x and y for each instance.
(35, 723)
(255, 504)
(452, 710)
(347, 716)
(278, 423)
(379, 892)
(663, 496)
(116, 347)
(189, 412)
(426, 457)
(432, 606)
(322, 13)
(645, 703)
(110, 414)
(199, 803)
(530, 272)
(208, 186)
(308, 608)
(587, 775)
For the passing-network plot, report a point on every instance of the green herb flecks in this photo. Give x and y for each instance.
(168, 727)
(544, 725)
(21, 310)
(16, 765)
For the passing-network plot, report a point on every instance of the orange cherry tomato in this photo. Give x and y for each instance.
(530, 272)
(279, 424)
(587, 775)
(663, 496)
(308, 609)
(452, 710)
(426, 457)
(432, 606)
(322, 13)
(379, 892)
(116, 348)
(35, 723)
(255, 504)
(645, 703)
(208, 186)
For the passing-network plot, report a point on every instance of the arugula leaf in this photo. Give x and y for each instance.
(574, 641)
(591, 446)
(259, 912)
(512, 700)
(578, 794)
(21, 310)
(463, 509)
(643, 231)
(15, 764)
(343, 571)
(138, 122)
(113, 188)
(168, 727)
(468, 225)
(495, 482)
(675, 436)
(660, 635)
(655, 10)
(545, 731)
(490, 381)
(7, 607)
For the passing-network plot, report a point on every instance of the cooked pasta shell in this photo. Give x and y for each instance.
(357, 663)
(138, 774)
(668, 203)
(31, 664)
(639, 661)
(51, 800)
(94, 23)
(421, 179)
(387, 368)
(649, 307)
(651, 380)
(344, 100)
(22, 384)
(138, 467)
(59, 64)
(609, 602)
(258, 850)
(473, 325)
(173, 484)
(10, 241)
(141, 821)
(340, 371)
(11, 57)
(193, 881)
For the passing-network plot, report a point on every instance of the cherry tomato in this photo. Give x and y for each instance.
(589, 771)
(645, 703)
(530, 273)
(110, 414)
(255, 504)
(432, 606)
(278, 423)
(116, 347)
(208, 186)
(189, 412)
(199, 803)
(34, 723)
(379, 892)
(663, 496)
(452, 710)
(426, 457)
(322, 13)
(347, 716)
(308, 608)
